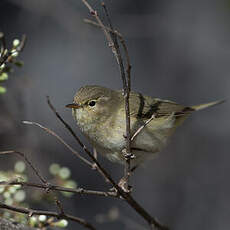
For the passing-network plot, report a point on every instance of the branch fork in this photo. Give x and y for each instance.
(122, 192)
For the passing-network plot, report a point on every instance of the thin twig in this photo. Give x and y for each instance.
(126, 87)
(23, 155)
(32, 212)
(60, 139)
(42, 179)
(6, 57)
(3, 41)
(126, 90)
(113, 43)
(142, 127)
(99, 168)
(68, 127)
(59, 205)
(122, 41)
(128, 198)
(51, 187)
(22, 44)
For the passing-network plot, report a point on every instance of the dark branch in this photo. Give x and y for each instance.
(99, 168)
(23, 155)
(42, 179)
(112, 39)
(60, 139)
(6, 57)
(122, 41)
(113, 43)
(50, 187)
(31, 212)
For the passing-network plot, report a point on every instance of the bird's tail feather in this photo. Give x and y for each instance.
(206, 105)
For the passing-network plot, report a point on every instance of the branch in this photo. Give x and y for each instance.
(6, 224)
(6, 57)
(49, 187)
(42, 179)
(142, 127)
(60, 139)
(31, 212)
(126, 88)
(23, 155)
(128, 198)
(122, 41)
(99, 168)
(85, 149)
(113, 43)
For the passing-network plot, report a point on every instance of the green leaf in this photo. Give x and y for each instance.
(3, 76)
(2, 90)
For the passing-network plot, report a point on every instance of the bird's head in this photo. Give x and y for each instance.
(93, 104)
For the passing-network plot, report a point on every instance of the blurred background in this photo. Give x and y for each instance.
(179, 50)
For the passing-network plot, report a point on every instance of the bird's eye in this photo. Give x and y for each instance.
(92, 103)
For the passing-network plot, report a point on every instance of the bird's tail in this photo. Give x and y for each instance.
(206, 105)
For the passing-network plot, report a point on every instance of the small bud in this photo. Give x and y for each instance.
(54, 169)
(3, 177)
(42, 218)
(2, 90)
(2, 66)
(17, 186)
(14, 53)
(67, 194)
(9, 201)
(70, 184)
(3, 76)
(33, 221)
(5, 51)
(64, 173)
(16, 42)
(61, 223)
(20, 196)
(12, 189)
(19, 167)
(6, 195)
(2, 189)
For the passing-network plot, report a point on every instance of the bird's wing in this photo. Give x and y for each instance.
(148, 106)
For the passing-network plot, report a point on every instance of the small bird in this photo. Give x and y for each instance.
(100, 114)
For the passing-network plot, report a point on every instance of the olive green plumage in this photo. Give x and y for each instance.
(100, 114)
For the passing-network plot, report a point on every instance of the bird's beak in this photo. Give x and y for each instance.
(73, 106)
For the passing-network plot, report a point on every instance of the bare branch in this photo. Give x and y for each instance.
(32, 212)
(23, 155)
(3, 42)
(142, 127)
(99, 168)
(60, 139)
(43, 180)
(67, 126)
(122, 41)
(50, 187)
(126, 88)
(113, 43)
(7, 57)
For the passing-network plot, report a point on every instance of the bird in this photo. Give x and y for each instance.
(100, 114)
